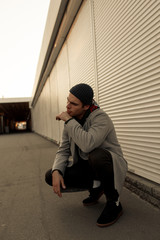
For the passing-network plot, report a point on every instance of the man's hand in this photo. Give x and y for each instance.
(63, 116)
(57, 182)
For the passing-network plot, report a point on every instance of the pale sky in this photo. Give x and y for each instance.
(22, 24)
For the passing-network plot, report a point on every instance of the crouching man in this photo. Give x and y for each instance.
(98, 165)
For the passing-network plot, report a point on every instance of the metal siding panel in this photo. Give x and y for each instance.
(42, 111)
(54, 106)
(128, 62)
(63, 83)
(80, 48)
(47, 115)
(37, 116)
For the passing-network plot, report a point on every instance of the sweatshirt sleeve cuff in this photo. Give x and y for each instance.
(58, 171)
(68, 120)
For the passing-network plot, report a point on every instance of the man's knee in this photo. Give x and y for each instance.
(99, 157)
(95, 156)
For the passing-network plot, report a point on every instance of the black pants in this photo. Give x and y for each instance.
(81, 175)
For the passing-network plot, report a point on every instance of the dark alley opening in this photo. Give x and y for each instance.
(15, 116)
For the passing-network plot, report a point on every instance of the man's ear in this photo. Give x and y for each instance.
(86, 107)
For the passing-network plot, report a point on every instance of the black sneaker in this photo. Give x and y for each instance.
(110, 214)
(95, 194)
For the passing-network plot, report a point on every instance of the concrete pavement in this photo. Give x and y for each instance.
(29, 210)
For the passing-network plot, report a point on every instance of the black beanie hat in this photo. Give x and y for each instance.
(83, 92)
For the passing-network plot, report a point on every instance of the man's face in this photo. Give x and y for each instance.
(75, 108)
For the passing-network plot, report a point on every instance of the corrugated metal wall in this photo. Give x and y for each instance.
(80, 48)
(55, 133)
(63, 83)
(75, 64)
(114, 47)
(128, 64)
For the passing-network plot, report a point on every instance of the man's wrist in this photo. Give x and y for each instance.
(68, 120)
(57, 170)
